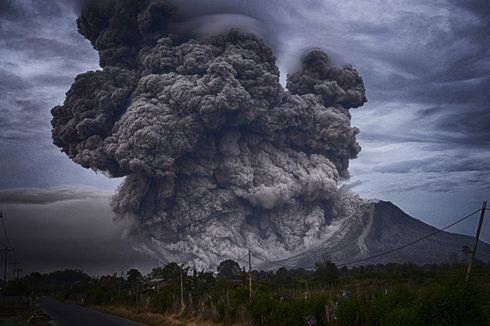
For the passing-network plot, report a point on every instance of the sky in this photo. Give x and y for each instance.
(425, 131)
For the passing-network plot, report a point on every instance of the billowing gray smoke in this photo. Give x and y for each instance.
(218, 156)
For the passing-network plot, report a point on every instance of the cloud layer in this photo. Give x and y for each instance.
(425, 65)
(67, 228)
(40, 196)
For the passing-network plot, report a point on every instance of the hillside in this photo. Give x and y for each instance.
(384, 228)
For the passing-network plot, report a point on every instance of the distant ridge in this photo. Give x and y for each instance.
(386, 228)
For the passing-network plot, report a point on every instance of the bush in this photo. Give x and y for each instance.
(267, 310)
(400, 316)
(17, 288)
(389, 305)
(349, 312)
(453, 303)
(164, 300)
(263, 308)
(97, 296)
(327, 272)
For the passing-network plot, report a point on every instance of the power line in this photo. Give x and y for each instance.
(386, 252)
(243, 257)
(8, 249)
(410, 243)
(273, 262)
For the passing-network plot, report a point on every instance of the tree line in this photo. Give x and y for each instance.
(383, 294)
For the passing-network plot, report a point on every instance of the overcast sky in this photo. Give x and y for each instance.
(425, 131)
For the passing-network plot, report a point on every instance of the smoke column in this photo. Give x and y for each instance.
(218, 157)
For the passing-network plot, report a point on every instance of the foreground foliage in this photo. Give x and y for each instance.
(392, 294)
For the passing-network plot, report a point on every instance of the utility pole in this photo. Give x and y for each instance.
(158, 286)
(6, 251)
(14, 264)
(250, 274)
(477, 237)
(181, 289)
(137, 289)
(158, 281)
(306, 289)
(119, 287)
(17, 272)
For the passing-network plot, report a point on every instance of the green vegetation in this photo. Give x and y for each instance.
(392, 294)
(17, 311)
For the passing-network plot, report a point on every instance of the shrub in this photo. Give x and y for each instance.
(164, 300)
(349, 312)
(389, 304)
(453, 303)
(97, 296)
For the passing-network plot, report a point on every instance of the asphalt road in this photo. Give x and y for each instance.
(65, 314)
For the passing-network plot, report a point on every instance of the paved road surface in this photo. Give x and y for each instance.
(65, 314)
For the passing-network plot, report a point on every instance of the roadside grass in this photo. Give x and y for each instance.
(21, 314)
(142, 315)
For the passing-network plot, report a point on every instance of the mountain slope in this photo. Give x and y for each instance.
(382, 228)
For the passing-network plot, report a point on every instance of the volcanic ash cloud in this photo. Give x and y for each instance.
(218, 156)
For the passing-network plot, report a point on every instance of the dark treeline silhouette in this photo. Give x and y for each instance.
(390, 294)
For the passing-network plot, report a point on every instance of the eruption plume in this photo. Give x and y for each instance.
(218, 156)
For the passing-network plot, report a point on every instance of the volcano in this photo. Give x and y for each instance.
(383, 228)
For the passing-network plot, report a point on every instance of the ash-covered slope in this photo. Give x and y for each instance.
(382, 228)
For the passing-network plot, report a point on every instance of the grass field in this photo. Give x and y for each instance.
(17, 314)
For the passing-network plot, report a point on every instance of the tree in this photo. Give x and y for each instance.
(229, 269)
(171, 272)
(466, 252)
(283, 275)
(133, 275)
(156, 272)
(67, 276)
(327, 272)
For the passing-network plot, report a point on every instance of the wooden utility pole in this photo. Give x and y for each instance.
(17, 272)
(158, 283)
(306, 289)
(181, 289)
(14, 265)
(137, 288)
(477, 237)
(119, 285)
(250, 275)
(6, 251)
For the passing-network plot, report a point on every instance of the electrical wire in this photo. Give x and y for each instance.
(410, 243)
(385, 252)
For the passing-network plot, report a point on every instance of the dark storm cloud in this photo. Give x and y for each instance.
(10, 81)
(209, 17)
(42, 47)
(15, 9)
(425, 65)
(431, 54)
(433, 182)
(8, 9)
(68, 228)
(446, 72)
(40, 196)
(40, 53)
(437, 164)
